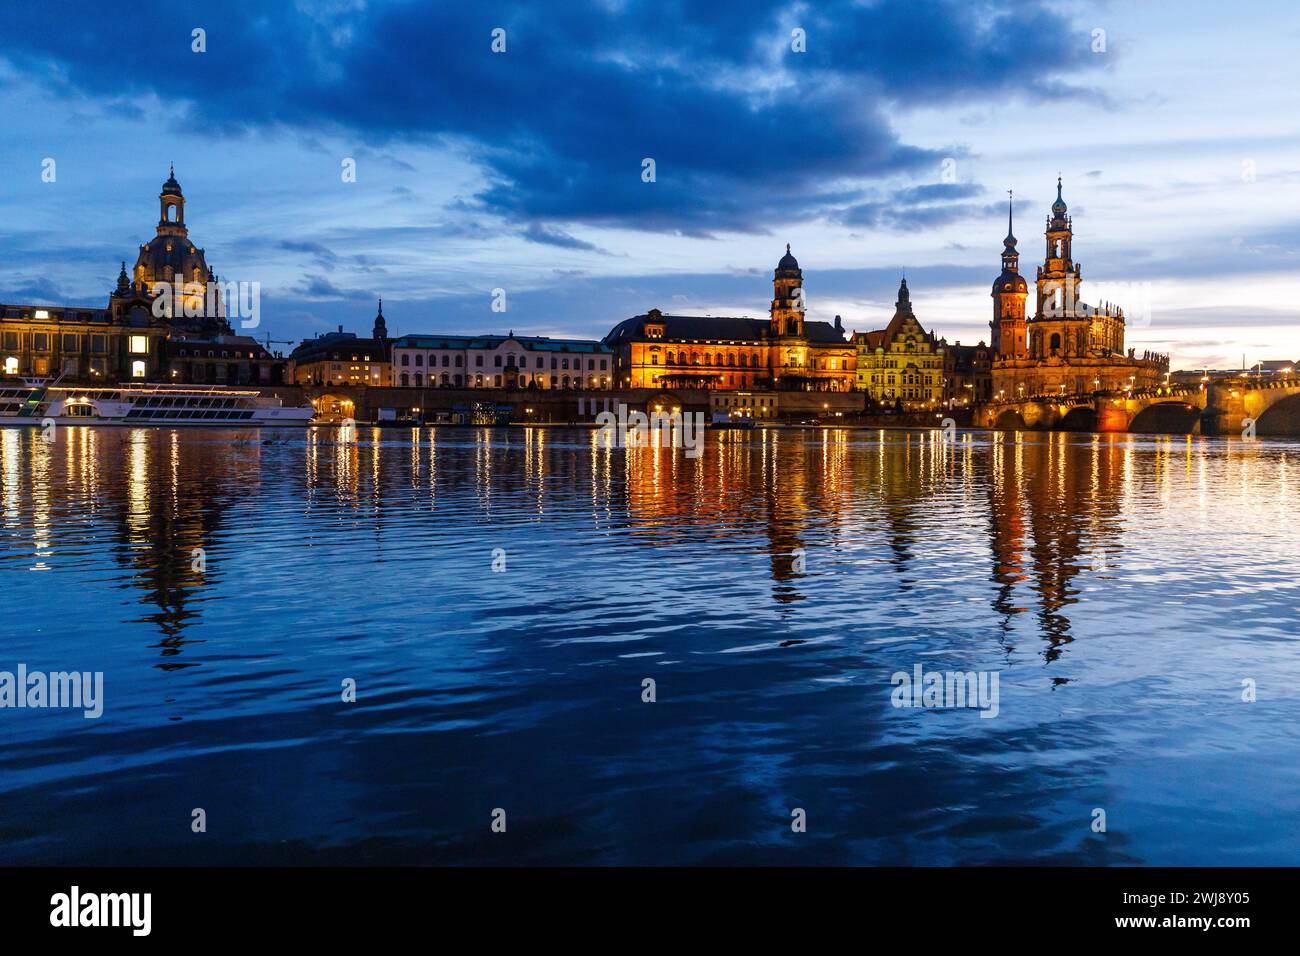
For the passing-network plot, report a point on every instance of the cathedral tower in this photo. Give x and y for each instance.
(1010, 335)
(1058, 276)
(787, 298)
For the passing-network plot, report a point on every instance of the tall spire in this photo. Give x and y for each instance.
(1010, 257)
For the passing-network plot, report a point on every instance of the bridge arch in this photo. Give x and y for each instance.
(1081, 418)
(1282, 418)
(1011, 421)
(334, 407)
(664, 403)
(1167, 418)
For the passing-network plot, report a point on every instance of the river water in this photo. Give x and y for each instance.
(502, 600)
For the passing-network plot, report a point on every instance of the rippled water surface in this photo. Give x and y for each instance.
(1121, 587)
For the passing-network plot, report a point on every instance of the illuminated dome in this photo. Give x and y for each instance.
(1010, 282)
(788, 262)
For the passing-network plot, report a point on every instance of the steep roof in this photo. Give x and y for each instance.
(341, 342)
(533, 343)
(713, 328)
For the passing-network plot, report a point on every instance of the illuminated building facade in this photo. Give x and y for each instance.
(1066, 346)
(164, 322)
(784, 351)
(901, 363)
(341, 358)
(967, 373)
(501, 361)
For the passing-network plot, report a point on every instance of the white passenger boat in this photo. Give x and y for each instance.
(35, 403)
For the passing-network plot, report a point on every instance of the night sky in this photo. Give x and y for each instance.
(887, 147)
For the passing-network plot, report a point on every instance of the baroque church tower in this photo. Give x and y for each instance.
(787, 298)
(170, 258)
(1058, 276)
(1010, 335)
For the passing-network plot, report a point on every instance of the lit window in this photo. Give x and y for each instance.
(11, 366)
(140, 346)
(137, 368)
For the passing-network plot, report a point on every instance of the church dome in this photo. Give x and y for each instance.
(788, 262)
(171, 187)
(1010, 282)
(163, 256)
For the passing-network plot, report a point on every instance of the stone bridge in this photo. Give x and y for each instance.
(1221, 407)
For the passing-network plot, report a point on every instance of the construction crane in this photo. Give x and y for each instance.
(270, 341)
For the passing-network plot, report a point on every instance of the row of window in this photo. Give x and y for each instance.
(198, 353)
(171, 414)
(509, 361)
(740, 402)
(906, 379)
(896, 363)
(746, 360)
(169, 401)
(69, 342)
(694, 358)
(495, 381)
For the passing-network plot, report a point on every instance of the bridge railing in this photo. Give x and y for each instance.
(1085, 398)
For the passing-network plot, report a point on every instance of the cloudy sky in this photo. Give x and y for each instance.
(887, 147)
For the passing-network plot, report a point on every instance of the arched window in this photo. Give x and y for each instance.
(406, 379)
(1056, 342)
(418, 379)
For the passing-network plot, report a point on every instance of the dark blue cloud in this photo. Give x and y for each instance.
(744, 132)
(551, 236)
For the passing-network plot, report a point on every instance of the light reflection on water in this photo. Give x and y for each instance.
(1123, 587)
